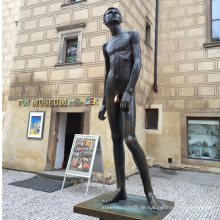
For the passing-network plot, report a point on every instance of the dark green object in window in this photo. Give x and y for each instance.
(71, 51)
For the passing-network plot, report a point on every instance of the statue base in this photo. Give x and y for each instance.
(133, 208)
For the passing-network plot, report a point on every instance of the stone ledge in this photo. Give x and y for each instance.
(212, 44)
(67, 64)
(72, 3)
(72, 26)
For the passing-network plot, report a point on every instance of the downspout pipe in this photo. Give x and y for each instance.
(156, 46)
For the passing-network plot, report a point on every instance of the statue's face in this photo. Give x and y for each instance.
(113, 16)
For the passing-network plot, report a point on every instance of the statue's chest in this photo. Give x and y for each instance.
(119, 44)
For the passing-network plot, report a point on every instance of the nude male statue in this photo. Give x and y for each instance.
(123, 63)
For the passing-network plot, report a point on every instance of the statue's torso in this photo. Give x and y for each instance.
(119, 50)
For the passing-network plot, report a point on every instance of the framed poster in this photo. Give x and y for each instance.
(35, 125)
(82, 155)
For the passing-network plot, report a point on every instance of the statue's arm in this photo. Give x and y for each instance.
(125, 102)
(137, 61)
(107, 68)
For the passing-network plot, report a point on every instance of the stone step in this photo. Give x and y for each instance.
(59, 176)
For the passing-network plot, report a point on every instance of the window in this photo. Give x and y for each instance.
(200, 143)
(151, 119)
(71, 50)
(213, 23)
(70, 41)
(215, 15)
(148, 32)
(69, 2)
(203, 138)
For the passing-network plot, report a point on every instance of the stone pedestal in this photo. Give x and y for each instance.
(133, 208)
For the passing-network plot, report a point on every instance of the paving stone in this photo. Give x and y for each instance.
(192, 201)
(154, 170)
(202, 181)
(183, 178)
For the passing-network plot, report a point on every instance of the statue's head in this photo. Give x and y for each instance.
(112, 15)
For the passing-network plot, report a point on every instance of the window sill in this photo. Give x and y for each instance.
(67, 64)
(148, 45)
(70, 27)
(200, 162)
(72, 3)
(212, 44)
(153, 131)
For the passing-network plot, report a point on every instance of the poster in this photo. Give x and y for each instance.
(35, 125)
(82, 155)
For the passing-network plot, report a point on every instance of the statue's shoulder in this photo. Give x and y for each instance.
(133, 33)
(105, 44)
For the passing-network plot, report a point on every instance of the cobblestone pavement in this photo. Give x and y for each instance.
(192, 201)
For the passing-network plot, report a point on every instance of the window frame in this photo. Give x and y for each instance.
(147, 118)
(68, 33)
(201, 119)
(211, 1)
(159, 107)
(184, 139)
(148, 32)
(209, 42)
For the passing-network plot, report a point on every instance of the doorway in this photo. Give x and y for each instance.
(69, 125)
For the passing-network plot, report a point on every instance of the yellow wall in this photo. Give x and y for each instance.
(19, 152)
(168, 144)
(35, 75)
(10, 14)
(31, 155)
(188, 74)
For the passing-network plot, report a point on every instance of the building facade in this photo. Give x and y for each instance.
(189, 85)
(58, 68)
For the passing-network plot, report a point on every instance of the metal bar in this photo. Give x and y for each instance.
(156, 46)
(87, 186)
(63, 183)
(103, 178)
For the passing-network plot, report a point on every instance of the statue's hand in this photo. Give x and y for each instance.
(102, 113)
(125, 102)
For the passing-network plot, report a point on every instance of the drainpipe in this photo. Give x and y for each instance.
(156, 46)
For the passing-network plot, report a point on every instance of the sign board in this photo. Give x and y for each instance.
(82, 155)
(85, 153)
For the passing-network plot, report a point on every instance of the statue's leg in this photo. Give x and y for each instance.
(129, 120)
(116, 126)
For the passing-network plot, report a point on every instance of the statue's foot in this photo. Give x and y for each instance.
(153, 202)
(120, 194)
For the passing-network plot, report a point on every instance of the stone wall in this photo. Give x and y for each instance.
(135, 14)
(35, 74)
(188, 73)
(188, 77)
(19, 152)
(10, 14)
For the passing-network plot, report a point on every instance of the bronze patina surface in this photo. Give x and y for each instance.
(122, 54)
(133, 208)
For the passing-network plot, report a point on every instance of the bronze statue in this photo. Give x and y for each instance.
(123, 63)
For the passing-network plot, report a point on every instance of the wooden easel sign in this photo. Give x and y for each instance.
(86, 150)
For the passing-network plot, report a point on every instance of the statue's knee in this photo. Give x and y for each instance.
(116, 136)
(129, 140)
